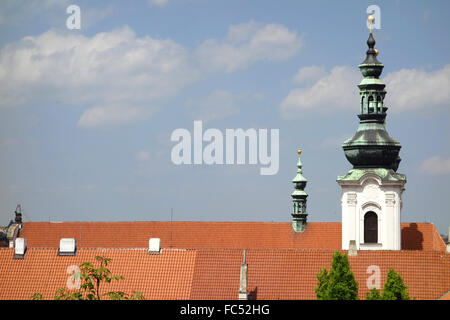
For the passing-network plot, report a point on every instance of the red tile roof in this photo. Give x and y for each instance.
(214, 274)
(421, 236)
(242, 235)
(165, 276)
(291, 274)
(201, 260)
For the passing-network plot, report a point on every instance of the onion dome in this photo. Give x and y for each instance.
(371, 146)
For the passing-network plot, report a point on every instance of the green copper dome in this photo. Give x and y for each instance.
(371, 146)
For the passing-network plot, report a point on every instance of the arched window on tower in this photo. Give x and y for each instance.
(362, 105)
(370, 227)
(371, 103)
(379, 105)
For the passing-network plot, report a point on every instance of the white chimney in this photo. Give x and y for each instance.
(67, 247)
(352, 250)
(20, 248)
(243, 294)
(154, 246)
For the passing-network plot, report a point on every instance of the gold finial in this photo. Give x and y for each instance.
(371, 19)
(376, 52)
(299, 151)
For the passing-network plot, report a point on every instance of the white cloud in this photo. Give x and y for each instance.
(112, 115)
(246, 44)
(118, 77)
(412, 89)
(408, 89)
(308, 75)
(334, 92)
(436, 165)
(111, 68)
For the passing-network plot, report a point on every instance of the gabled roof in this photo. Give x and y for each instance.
(201, 260)
(214, 274)
(213, 235)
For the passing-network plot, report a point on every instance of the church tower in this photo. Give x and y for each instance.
(372, 191)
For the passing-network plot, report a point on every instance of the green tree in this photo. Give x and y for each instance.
(394, 288)
(91, 280)
(339, 283)
(374, 294)
(322, 284)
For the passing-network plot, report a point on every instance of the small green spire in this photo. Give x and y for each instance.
(299, 198)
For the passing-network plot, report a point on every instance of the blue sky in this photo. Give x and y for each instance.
(86, 115)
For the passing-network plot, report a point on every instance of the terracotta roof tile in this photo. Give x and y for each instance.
(261, 235)
(214, 274)
(291, 274)
(281, 264)
(164, 276)
(421, 236)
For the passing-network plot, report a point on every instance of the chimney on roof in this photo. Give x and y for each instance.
(67, 247)
(20, 248)
(243, 281)
(154, 246)
(18, 212)
(352, 250)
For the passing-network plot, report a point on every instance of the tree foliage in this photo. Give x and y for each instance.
(394, 288)
(338, 283)
(374, 294)
(92, 279)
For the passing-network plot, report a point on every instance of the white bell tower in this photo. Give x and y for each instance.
(371, 209)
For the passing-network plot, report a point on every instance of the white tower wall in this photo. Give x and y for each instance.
(371, 193)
